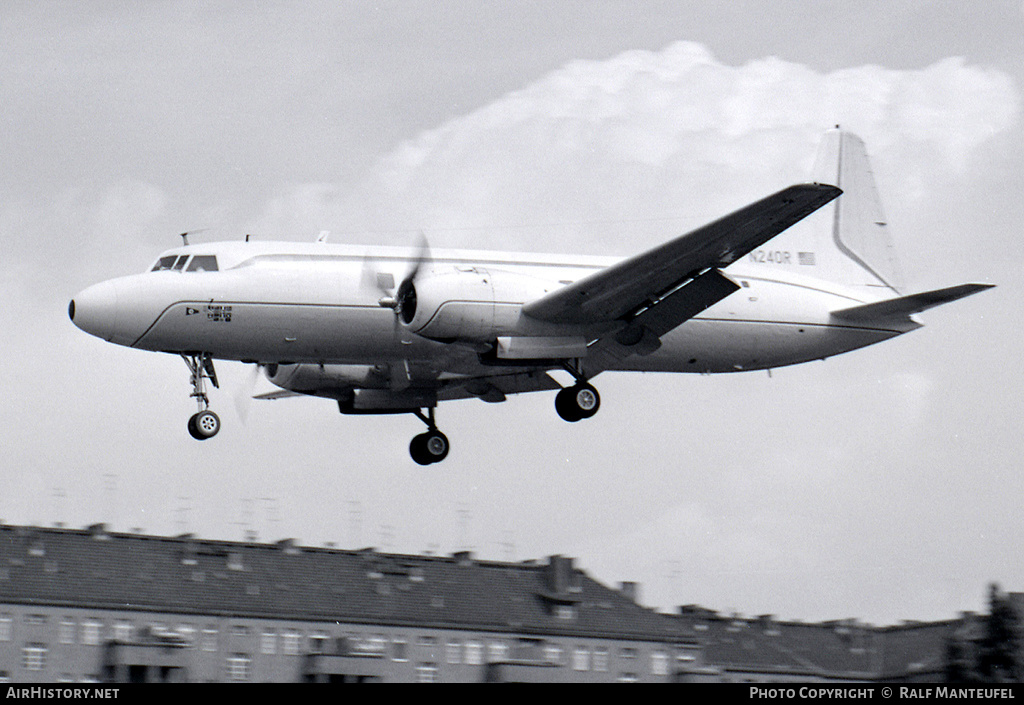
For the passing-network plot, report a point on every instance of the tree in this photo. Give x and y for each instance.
(987, 651)
(998, 650)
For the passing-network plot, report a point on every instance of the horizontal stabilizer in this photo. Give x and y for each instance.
(905, 306)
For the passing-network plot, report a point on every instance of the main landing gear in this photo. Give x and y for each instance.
(580, 401)
(432, 446)
(204, 423)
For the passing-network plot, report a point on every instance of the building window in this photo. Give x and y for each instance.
(91, 632)
(399, 649)
(33, 657)
(240, 630)
(376, 644)
(627, 653)
(67, 631)
(566, 612)
(427, 648)
(581, 659)
(291, 643)
(6, 627)
(553, 653)
(497, 652)
(123, 632)
(209, 639)
(659, 663)
(35, 619)
(5, 677)
(238, 667)
(317, 643)
(454, 653)
(474, 653)
(627, 677)
(601, 660)
(268, 644)
(426, 673)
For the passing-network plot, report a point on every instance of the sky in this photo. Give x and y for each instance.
(881, 485)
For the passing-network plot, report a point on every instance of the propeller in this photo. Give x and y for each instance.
(244, 393)
(403, 300)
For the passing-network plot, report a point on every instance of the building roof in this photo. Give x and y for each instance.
(104, 570)
(833, 650)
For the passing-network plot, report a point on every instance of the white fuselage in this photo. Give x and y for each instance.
(312, 303)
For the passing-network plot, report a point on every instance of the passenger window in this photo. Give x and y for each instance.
(203, 263)
(180, 264)
(164, 263)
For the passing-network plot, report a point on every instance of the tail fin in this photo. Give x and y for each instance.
(858, 250)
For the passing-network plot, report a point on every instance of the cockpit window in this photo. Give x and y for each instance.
(180, 263)
(203, 263)
(164, 263)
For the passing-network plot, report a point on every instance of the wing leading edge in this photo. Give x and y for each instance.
(629, 288)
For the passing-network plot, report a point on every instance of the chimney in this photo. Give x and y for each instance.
(561, 577)
(288, 546)
(98, 531)
(631, 591)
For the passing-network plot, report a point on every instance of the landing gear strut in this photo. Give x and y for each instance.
(429, 447)
(203, 424)
(580, 401)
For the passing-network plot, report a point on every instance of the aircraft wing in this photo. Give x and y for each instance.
(625, 289)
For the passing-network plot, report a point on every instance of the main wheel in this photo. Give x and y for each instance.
(204, 425)
(580, 401)
(429, 447)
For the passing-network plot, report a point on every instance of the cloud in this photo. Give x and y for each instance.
(650, 135)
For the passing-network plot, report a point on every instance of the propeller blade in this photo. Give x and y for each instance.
(244, 394)
(422, 257)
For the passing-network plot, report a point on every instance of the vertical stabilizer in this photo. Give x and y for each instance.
(862, 252)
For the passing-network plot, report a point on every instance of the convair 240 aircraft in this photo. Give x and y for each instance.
(387, 331)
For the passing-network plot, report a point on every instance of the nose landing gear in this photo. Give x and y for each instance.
(203, 424)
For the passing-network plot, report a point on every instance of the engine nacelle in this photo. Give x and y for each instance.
(322, 380)
(469, 304)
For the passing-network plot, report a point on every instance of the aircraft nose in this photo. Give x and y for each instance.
(94, 310)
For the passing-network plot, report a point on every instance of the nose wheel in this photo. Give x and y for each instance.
(430, 447)
(203, 424)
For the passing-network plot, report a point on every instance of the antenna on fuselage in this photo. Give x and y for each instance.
(184, 235)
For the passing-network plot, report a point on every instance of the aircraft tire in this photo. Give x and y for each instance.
(204, 425)
(430, 447)
(580, 401)
(565, 407)
(437, 446)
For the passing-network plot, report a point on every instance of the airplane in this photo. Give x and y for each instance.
(387, 330)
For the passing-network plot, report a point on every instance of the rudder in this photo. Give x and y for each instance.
(860, 249)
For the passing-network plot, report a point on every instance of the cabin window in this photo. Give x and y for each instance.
(164, 263)
(203, 263)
